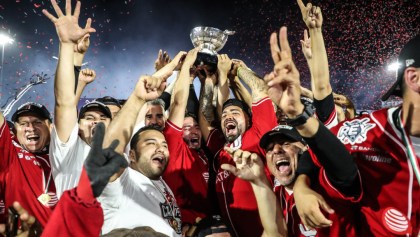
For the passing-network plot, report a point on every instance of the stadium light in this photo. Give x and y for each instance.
(394, 66)
(4, 39)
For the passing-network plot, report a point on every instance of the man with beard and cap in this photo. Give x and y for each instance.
(25, 163)
(241, 128)
(187, 173)
(384, 145)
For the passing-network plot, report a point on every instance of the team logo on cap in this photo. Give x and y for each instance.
(409, 62)
(355, 131)
(396, 222)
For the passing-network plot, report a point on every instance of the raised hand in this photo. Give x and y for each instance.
(311, 15)
(87, 75)
(284, 81)
(67, 26)
(306, 46)
(224, 64)
(162, 60)
(309, 205)
(236, 63)
(82, 44)
(249, 166)
(166, 71)
(150, 87)
(101, 164)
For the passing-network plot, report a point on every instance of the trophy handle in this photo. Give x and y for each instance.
(229, 32)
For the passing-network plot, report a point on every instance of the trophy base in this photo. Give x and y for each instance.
(210, 60)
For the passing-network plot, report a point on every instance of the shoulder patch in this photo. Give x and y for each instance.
(355, 131)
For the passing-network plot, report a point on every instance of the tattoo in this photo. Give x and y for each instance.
(206, 106)
(257, 85)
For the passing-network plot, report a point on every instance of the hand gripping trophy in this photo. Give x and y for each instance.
(211, 40)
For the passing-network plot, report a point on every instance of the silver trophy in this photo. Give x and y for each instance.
(211, 40)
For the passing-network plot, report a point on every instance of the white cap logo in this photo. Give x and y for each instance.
(409, 62)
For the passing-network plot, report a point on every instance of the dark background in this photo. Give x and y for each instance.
(362, 38)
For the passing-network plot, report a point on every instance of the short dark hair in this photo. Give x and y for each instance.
(136, 137)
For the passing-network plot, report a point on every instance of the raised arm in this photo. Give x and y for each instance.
(238, 89)
(250, 167)
(206, 111)
(223, 67)
(318, 63)
(182, 89)
(69, 32)
(254, 82)
(284, 90)
(80, 50)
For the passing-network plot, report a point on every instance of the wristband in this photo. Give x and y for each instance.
(301, 119)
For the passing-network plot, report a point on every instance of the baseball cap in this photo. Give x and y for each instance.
(239, 103)
(95, 105)
(284, 131)
(409, 57)
(32, 107)
(108, 100)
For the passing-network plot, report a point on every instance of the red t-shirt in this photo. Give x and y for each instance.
(236, 199)
(391, 201)
(26, 177)
(187, 175)
(75, 216)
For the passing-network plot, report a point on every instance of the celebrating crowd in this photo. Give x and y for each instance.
(277, 159)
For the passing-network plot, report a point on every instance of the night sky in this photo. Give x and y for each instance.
(362, 38)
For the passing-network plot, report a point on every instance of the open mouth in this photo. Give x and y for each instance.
(283, 166)
(194, 141)
(32, 138)
(159, 160)
(230, 127)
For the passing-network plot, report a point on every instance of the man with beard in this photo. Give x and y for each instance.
(139, 196)
(188, 170)
(240, 129)
(24, 161)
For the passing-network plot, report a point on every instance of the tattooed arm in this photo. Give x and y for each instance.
(257, 85)
(206, 113)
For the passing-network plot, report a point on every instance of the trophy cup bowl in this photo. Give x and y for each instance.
(211, 40)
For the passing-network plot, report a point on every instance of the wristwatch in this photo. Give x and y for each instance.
(301, 119)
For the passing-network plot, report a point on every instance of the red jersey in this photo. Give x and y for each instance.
(27, 177)
(344, 218)
(75, 217)
(391, 202)
(187, 175)
(237, 202)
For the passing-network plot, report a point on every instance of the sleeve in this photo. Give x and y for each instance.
(111, 196)
(76, 76)
(307, 166)
(173, 136)
(337, 163)
(74, 217)
(325, 111)
(192, 104)
(263, 116)
(7, 149)
(166, 97)
(61, 152)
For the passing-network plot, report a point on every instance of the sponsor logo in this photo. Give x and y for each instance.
(2, 207)
(355, 131)
(396, 222)
(363, 148)
(379, 159)
(306, 231)
(222, 175)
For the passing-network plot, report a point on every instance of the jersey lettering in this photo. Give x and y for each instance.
(355, 131)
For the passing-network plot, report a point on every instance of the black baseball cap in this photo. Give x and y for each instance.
(240, 104)
(108, 100)
(409, 57)
(95, 105)
(283, 131)
(32, 107)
